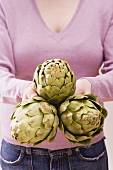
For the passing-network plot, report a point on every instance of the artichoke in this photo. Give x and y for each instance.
(54, 81)
(34, 121)
(81, 118)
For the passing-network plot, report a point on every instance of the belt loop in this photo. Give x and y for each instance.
(69, 151)
(23, 149)
(28, 151)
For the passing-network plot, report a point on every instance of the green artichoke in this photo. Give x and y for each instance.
(34, 121)
(54, 81)
(81, 118)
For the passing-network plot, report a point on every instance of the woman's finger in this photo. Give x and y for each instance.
(29, 92)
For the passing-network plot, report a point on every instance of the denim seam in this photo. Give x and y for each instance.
(90, 159)
(51, 159)
(69, 162)
(61, 163)
(32, 161)
(13, 162)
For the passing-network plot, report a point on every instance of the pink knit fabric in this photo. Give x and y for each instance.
(26, 41)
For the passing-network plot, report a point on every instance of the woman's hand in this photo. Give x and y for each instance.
(83, 86)
(29, 92)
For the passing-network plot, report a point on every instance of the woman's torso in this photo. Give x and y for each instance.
(33, 42)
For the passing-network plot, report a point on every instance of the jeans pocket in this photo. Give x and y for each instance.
(10, 154)
(92, 152)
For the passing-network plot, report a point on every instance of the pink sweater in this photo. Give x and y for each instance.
(26, 41)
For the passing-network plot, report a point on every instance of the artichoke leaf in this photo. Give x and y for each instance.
(64, 106)
(72, 142)
(74, 106)
(56, 122)
(79, 97)
(92, 97)
(97, 105)
(46, 108)
(104, 112)
(70, 136)
(66, 89)
(42, 92)
(55, 100)
(42, 80)
(68, 78)
(52, 135)
(75, 128)
(25, 103)
(59, 82)
(36, 121)
(48, 120)
(82, 138)
(89, 104)
(98, 132)
(50, 79)
(52, 91)
(67, 118)
(42, 133)
(38, 99)
(61, 127)
(85, 142)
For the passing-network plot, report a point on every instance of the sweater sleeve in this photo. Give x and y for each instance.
(102, 85)
(11, 88)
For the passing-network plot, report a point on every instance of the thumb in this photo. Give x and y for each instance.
(33, 95)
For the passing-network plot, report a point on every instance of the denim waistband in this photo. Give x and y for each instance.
(42, 151)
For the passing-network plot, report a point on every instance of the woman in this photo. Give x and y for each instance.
(32, 31)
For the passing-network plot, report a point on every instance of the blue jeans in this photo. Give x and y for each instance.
(92, 157)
